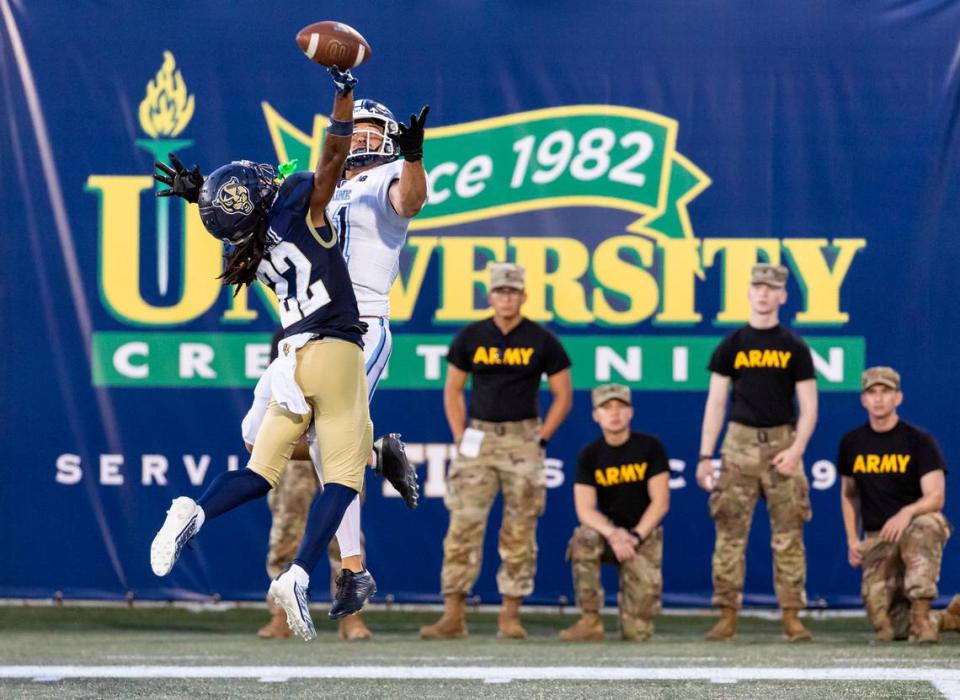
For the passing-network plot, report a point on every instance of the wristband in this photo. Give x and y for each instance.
(339, 128)
(543, 442)
(638, 536)
(701, 458)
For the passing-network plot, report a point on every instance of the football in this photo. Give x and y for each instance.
(334, 44)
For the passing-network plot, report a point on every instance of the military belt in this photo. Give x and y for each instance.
(507, 427)
(776, 433)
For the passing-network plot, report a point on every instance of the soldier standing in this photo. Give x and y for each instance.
(893, 483)
(766, 366)
(500, 449)
(621, 496)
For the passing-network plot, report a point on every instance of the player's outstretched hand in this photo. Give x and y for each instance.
(410, 138)
(344, 80)
(182, 182)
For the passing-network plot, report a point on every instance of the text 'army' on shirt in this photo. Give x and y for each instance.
(506, 368)
(621, 474)
(764, 366)
(887, 468)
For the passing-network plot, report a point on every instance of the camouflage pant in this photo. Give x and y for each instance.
(290, 505)
(747, 474)
(510, 461)
(641, 578)
(896, 573)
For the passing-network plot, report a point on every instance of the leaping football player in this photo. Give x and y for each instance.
(371, 210)
(281, 235)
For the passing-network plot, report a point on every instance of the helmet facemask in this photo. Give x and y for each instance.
(371, 145)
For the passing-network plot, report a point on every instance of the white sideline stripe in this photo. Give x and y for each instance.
(946, 680)
(949, 689)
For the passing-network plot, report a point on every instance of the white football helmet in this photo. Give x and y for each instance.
(367, 111)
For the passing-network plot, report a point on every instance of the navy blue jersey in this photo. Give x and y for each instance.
(305, 269)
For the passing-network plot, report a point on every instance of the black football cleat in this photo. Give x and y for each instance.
(353, 590)
(393, 465)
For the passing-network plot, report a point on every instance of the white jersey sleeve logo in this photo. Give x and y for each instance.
(371, 234)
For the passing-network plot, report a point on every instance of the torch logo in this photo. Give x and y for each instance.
(164, 114)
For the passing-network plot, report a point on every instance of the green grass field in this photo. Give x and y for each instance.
(81, 652)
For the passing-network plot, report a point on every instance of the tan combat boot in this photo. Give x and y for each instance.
(922, 629)
(277, 627)
(726, 627)
(589, 628)
(508, 624)
(452, 624)
(634, 629)
(884, 632)
(353, 629)
(950, 617)
(793, 629)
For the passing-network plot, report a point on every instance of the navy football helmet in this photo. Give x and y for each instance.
(235, 197)
(367, 111)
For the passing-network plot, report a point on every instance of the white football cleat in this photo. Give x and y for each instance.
(183, 521)
(289, 591)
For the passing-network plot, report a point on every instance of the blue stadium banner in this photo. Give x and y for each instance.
(637, 171)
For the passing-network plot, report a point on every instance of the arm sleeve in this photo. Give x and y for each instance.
(844, 468)
(721, 361)
(929, 457)
(659, 463)
(585, 467)
(458, 355)
(803, 367)
(555, 358)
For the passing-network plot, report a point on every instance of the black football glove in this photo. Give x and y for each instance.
(344, 80)
(410, 139)
(182, 182)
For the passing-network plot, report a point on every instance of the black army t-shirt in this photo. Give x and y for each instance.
(765, 365)
(887, 468)
(621, 474)
(506, 369)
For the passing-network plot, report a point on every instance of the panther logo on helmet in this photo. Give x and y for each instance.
(233, 198)
(377, 146)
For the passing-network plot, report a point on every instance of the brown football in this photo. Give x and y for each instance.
(334, 44)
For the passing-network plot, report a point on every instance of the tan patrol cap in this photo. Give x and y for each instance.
(887, 376)
(771, 275)
(506, 275)
(609, 392)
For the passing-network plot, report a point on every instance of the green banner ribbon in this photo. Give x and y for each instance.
(418, 361)
(576, 156)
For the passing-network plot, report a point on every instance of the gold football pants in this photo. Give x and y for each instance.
(331, 375)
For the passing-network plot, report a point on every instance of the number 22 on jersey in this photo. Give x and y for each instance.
(305, 297)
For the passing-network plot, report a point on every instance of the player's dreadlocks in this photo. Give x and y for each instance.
(243, 260)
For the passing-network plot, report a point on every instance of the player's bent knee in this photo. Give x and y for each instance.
(355, 483)
(267, 471)
(587, 537)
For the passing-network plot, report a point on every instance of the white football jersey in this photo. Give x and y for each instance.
(371, 234)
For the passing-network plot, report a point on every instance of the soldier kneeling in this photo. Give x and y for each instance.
(893, 484)
(621, 494)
